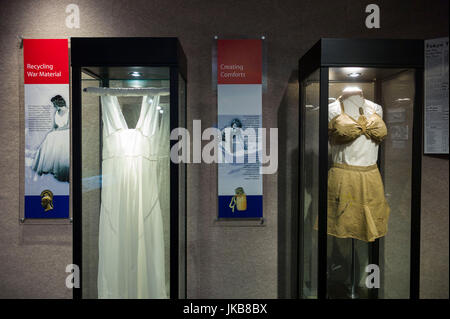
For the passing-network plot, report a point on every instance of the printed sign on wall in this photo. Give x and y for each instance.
(47, 134)
(239, 98)
(436, 96)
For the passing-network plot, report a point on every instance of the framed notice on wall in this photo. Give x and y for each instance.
(436, 96)
(239, 100)
(47, 128)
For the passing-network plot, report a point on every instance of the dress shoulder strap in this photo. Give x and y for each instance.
(148, 122)
(341, 103)
(112, 116)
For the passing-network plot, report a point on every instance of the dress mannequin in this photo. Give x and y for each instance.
(357, 208)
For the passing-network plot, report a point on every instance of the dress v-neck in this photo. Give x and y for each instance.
(351, 117)
(141, 113)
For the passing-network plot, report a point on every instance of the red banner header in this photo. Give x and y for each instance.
(46, 61)
(239, 61)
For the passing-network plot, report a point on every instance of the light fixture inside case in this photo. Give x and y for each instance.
(135, 74)
(354, 74)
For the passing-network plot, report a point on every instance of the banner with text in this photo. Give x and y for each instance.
(47, 134)
(239, 99)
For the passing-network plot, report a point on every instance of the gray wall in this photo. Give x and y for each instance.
(222, 261)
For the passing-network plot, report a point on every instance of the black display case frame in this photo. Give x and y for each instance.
(129, 52)
(371, 53)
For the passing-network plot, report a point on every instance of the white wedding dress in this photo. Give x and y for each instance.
(53, 156)
(131, 239)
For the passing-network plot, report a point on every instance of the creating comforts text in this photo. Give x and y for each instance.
(232, 71)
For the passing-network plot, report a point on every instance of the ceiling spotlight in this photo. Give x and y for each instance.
(354, 74)
(136, 74)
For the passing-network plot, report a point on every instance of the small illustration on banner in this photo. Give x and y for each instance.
(239, 200)
(47, 200)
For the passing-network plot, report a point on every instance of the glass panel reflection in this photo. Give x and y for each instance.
(310, 174)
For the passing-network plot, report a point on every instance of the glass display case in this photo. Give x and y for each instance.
(129, 198)
(361, 104)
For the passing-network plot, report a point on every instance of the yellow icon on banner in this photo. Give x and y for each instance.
(239, 200)
(47, 200)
